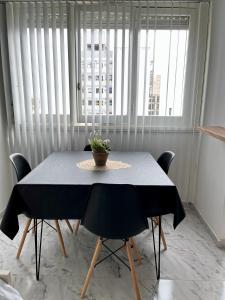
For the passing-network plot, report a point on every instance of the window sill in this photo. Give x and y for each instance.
(124, 128)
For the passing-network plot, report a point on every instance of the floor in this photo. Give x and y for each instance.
(192, 267)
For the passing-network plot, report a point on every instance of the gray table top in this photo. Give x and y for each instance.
(60, 168)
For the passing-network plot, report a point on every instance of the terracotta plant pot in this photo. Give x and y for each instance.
(100, 158)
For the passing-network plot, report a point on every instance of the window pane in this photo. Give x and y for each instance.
(102, 75)
(165, 72)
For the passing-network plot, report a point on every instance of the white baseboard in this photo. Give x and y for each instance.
(219, 242)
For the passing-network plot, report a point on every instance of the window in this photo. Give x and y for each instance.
(163, 47)
(107, 70)
(131, 65)
(165, 71)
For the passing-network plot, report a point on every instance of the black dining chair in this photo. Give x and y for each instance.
(77, 224)
(22, 168)
(87, 147)
(107, 203)
(164, 160)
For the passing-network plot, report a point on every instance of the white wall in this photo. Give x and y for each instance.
(210, 197)
(5, 171)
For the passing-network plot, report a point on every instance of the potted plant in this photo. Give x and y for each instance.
(100, 149)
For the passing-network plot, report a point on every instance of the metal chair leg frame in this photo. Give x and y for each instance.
(37, 255)
(112, 253)
(157, 264)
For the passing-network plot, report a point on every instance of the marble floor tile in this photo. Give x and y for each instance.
(192, 267)
(189, 290)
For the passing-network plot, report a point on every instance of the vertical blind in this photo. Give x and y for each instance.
(122, 68)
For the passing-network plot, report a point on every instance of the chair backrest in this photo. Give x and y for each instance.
(87, 148)
(165, 160)
(114, 212)
(20, 165)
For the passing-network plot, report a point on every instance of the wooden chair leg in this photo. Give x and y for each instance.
(91, 269)
(23, 238)
(33, 226)
(137, 252)
(77, 226)
(69, 225)
(155, 220)
(133, 273)
(62, 246)
(163, 240)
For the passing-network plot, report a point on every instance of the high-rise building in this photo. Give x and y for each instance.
(99, 97)
(154, 93)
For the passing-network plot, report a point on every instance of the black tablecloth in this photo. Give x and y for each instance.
(58, 189)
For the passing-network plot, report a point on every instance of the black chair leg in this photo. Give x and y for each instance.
(157, 264)
(37, 253)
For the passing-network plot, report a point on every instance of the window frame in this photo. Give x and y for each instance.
(176, 121)
(196, 52)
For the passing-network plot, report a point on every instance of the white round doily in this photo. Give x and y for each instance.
(89, 164)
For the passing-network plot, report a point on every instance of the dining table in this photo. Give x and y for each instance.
(59, 186)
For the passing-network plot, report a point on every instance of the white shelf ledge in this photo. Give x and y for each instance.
(217, 132)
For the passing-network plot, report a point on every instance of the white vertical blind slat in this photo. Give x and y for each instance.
(115, 62)
(56, 74)
(49, 74)
(6, 78)
(78, 74)
(138, 21)
(17, 17)
(184, 69)
(100, 67)
(35, 81)
(153, 68)
(72, 69)
(145, 79)
(176, 66)
(28, 85)
(84, 88)
(130, 74)
(63, 70)
(42, 79)
(107, 67)
(92, 67)
(169, 60)
(122, 74)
